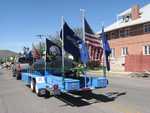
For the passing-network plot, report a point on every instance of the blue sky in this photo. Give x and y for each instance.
(22, 20)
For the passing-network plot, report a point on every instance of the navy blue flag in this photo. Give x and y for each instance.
(73, 44)
(106, 48)
(88, 29)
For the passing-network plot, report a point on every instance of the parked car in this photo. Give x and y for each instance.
(20, 65)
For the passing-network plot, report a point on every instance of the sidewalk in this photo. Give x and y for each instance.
(110, 73)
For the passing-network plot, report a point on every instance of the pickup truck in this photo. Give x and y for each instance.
(22, 64)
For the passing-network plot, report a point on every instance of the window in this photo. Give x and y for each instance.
(114, 34)
(147, 27)
(112, 53)
(134, 30)
(124, 32)
(146, 50)
(124, 51)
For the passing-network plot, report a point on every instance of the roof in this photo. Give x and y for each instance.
(7, 53)
(144, 17)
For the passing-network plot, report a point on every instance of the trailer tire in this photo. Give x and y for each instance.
(37, 91)
(32, 85)
(48, 94)
(18, 76)
(13, 75)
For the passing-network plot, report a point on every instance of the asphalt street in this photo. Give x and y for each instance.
(124, 95)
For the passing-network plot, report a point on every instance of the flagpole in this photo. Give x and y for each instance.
(32, 60)
(104, 54)
(45, 55)
(83, 33)
(62, 23)
(83, 27)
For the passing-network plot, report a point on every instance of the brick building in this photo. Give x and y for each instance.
(129, 39)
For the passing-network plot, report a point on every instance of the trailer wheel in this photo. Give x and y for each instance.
(47, 94)
(18, 76)
(40, 92)
(37, 91)
(32, 85)
(13, 73)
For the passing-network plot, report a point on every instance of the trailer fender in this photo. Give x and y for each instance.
(40, 86)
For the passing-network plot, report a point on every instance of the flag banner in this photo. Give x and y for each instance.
(52, 50)
(93, 43)
(35, 52)
(72, 43)
(106, 48)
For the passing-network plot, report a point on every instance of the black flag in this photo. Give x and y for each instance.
(52, 50)
(71, 42)
(88, 29)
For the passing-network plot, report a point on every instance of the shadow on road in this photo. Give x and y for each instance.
(83, 99)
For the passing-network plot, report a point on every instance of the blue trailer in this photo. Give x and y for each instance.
(54, 85)
(76, 84)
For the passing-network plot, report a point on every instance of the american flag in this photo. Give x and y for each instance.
(93, 43)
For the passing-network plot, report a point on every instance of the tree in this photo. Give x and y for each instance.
(56, 39)
(25, 50)
(78, 32)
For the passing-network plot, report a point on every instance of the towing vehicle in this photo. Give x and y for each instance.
(20, 65)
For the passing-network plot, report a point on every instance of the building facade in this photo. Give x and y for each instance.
(130, 36)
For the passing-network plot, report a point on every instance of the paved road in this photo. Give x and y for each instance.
(124, 95)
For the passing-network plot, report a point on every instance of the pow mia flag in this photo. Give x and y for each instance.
(52, 50)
